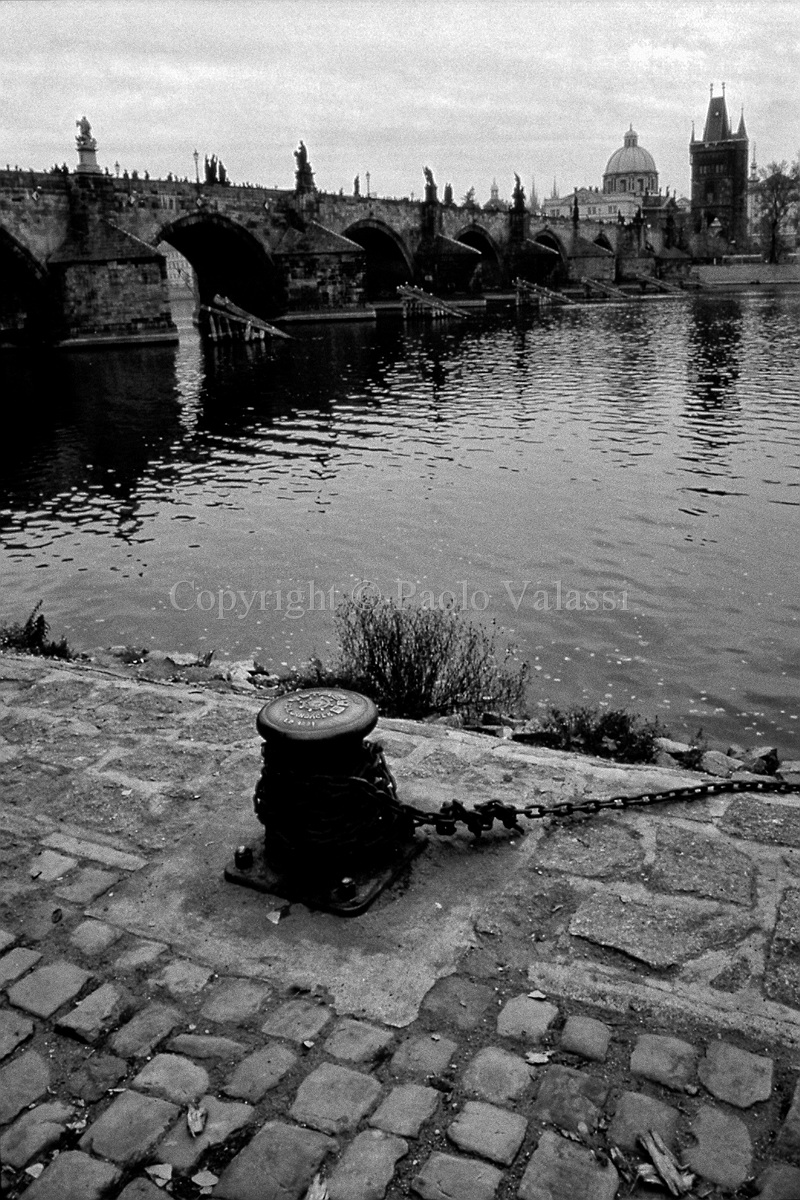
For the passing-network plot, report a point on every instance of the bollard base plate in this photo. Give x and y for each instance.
(366, 885)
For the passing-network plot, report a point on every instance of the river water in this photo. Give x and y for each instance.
(616, 487)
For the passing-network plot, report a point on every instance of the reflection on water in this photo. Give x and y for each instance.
(646, 451)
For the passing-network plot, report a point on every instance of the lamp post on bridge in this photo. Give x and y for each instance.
(196, 157)
(367, 179)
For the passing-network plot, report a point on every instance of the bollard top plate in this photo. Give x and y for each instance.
(317, 715)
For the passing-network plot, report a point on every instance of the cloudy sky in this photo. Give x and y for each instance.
(475, 89)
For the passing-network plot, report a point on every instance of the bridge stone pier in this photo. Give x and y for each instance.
(82, 253)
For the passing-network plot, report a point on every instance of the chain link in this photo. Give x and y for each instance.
(482, 817)
(354, 812)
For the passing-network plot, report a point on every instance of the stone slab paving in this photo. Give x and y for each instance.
(565, 992)
(74, 1176)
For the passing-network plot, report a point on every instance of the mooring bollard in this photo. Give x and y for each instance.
(335, 834)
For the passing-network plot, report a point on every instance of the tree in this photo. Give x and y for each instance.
(777, 197)
(469, 198)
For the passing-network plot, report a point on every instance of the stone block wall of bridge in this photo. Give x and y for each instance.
(71, 239)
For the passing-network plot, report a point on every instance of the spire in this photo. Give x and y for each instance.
(741, 132)
(718, 127)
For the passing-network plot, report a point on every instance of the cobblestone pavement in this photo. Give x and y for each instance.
(505, 1022)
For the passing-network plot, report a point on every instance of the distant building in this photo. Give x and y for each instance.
(630, 180)
(631, 169)
(719, 162)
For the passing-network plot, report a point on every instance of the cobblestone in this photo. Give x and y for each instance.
(636, 1113)
(35, 1132)
(91, 1017)
(788, 1143)
(498, 1076)
(297, 1021)
(94, 850)
(561, 1170)
(86, 885)
(406, 1109)
(173, 1078)
(182, 978)
(203, 1045)
(16, 963)
(334, 1099)
(422, 1056)
(724, 1152)
(278, 1164)
(14, 1030)
(736, 1075)
(524, 1017)
(45, 990)
(260, 1072)
(459, 1000)
(141, 1189)
(143, 1033)
(94, 937)
(586, 1037)
(138, 956)
(22, 1082)
(97, 1075)
(666, 1060)
(7, 938)
(355, 1041)
(570, 1099)
(235, 1000)
(366, 1167)
(491, 1132)
(73, 1176)
(444, 1177)
(183, 1151)
(779, 1182)
(49, 866)
(128, 1130)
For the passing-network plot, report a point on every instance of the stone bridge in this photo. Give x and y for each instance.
(81, 253)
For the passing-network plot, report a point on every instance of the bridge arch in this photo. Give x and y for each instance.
(552, 270)
(388, 262)
(490, 272)
(603, 240)
(26, 300)
(227, 260)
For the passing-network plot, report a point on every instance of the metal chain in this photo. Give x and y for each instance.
(481, 818)
(367, 806)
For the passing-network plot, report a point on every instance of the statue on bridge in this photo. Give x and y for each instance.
(357, 186)
(518, 195)
(430, 186)
(84, 139)
(303, 176)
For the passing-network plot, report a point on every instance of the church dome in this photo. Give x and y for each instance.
(633, 164)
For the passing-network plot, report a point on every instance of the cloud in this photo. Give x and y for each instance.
(644, 56)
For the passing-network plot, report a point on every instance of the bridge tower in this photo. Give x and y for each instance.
(719, 162)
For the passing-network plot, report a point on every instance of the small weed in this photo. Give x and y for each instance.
(698, 747)
(416, 662)
(31, 638)
(606, 733)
